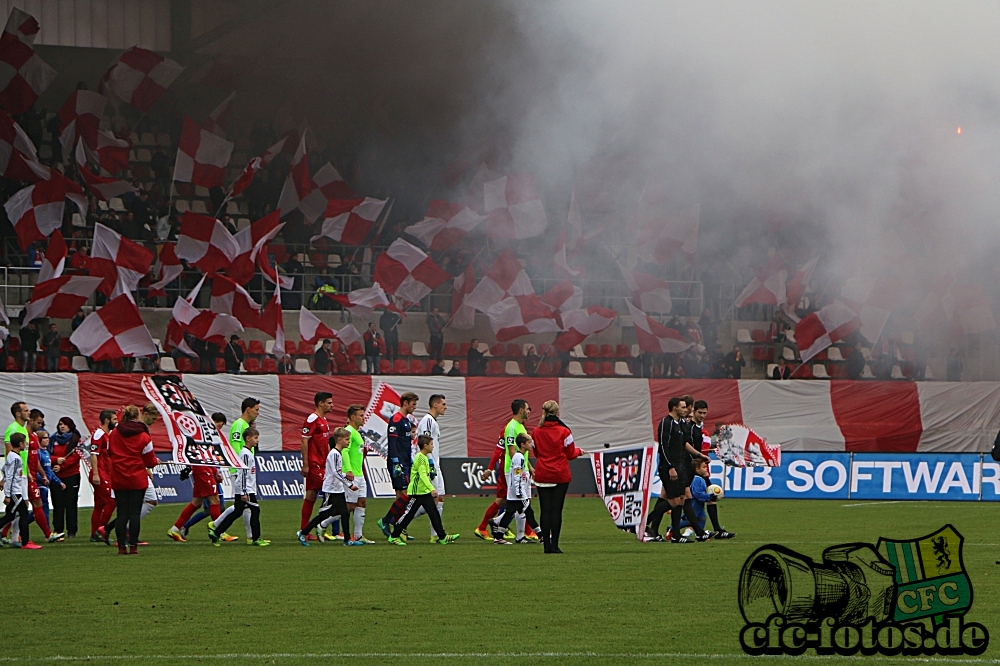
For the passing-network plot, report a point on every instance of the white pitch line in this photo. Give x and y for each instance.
(874, 503)
(480, 655)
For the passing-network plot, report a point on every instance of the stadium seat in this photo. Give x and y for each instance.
(927, 373)
(908, 354)
(384, 366)
(804, 371)
(306, 348)
(836, 370)
(220, 364)
(419, 349)
(40, 363)
(450, 349)
(545, 369)
(513, 368)
(13, 344)
(544, 349)
(79, 364)
(577, 352)
(242, 344)
(116, 364)
(770, 370)
(788, 353)
(515, 350)
(290, 348)
(494, 368)
(759, 354)
(743, 336)
(166, 363)
(302, 366)
(448, 365)
(117, 205)
(821, 356)
(463, 349)
(866, 353)
(64, 365)
(163, 140)
(819, 371)
(906, 337)
(622, 351)
(607, 351)
(575, 369)
(497, 350)
(463, 367)
(66, 346)
(606, 368)
(590, 368)
(12, 364)
(182, 205)
(621, 369)
(896, 373)
(256, 347)
(833, 353)
(401, 367)
(418, 367)
(147, 139)
(404, 349)
(591, 351)
(867, 373)
(184, 364)
(758, 335)
(269, 365)
(252, 365)
(198, 206)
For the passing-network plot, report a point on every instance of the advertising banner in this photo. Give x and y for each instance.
(622, 476)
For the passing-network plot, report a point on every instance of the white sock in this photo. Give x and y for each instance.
(146, 508)
(246, 523)
(420, 511)
(15, 532)
(520, 520)
(222, 515)
(359, 522)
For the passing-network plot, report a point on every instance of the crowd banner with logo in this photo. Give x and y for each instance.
(622, 475)
(739, 446)
(193, 436)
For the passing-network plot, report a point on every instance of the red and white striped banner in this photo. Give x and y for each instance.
(798, 415)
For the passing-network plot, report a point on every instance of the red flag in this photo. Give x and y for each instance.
(580, 324)
(506, 277)
(272, 322)
(310, 194)
(654, 337)
(23, 74)
(55, 258)
(445, 224)
(522, 315)
(80, 118)
(407, 272)
(119, 261)
(767, 286)
(115, 330)
(514, 209)
(349, 221)
(311, 329)
(168, 267)
(231, 299)
(818, 330)
(37, 210)
(206, 243)
(251, 242)
(61, 297)
(139, 77)
(202, 157)
(251, 169)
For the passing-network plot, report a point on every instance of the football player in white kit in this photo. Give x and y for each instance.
(429, 426)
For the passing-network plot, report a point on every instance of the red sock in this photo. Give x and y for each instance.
(5, 530)
(307, 512)
(491, 512)
(185, 514)
(106, 513)
(40, 520)
(95, 520)
(214, 511)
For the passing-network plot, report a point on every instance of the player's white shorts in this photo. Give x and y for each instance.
(352, 495)
(150, 496)
(438, 482)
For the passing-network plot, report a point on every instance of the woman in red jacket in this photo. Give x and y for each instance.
(554, 448)
(131, 450)
(63, 449)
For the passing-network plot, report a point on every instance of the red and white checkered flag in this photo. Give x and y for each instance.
(202, 157)
(103, 188)
(205, 242)
(349, 221)
(16, 151)
(23, 74)
(115, 330)
(61, 297)
(506, 277)
(120, 262)
(514, 209)
(251, 169)
(232, 299)
(407, 272)
(445, 224)
(310, 194)
(580, 324)
(251, 241)
(166, 269)
(272, 322)
(653, 336)
(522, 315)
(55, 257)
(311, 329)
(80, 117)
(139, 77)
(37, 210)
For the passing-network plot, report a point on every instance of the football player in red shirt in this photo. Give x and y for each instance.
(100, 475)
(315, 448)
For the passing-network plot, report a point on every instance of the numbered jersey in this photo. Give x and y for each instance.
(317, 429)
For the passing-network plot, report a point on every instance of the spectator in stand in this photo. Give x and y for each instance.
(689, 364)
(389, 323)
(208, 360)
(342, 359)
(955, 366)
(34, 257)
(29, 346)
(160, 164)
(233, 355)
(79, 261)
(709, 330)
(292, 300)
(65, 455)
(644, 365)
(475, 360)
(438, 369)
(323, 359)
(735, 362)
(564, 361)
(881, 364)
(782, 370)
(693, 331)
(531, 361)
(855, 362)
(325, 287)
(436, 324)
(50, 344)
(77, 319)
(455, 370)
(286, 366)
(704, 367)
(373, 349)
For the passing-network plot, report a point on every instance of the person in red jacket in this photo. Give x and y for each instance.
(65, 453)
(131, 450)
(554, 448)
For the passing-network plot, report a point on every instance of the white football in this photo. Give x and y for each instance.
(716, 490)
(688, 532)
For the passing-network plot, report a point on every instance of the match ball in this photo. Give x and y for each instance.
(688, 533)
(716, 490)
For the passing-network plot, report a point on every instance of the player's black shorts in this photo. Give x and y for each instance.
(675, 488)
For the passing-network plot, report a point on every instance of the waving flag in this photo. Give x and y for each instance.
(797, 288)
(80, 118)
(818, 330)
(103, 188)
(570, 242)
(445, 224)
(767, 286)
(310, 194)
(251, 169)
(563, 296)
(272, 322)
(37, 210)
(167, 269)
(506, 277)
(362, 302)
(16, 151)
(218, 121)
(463, 316)
(349, 221)
(23, 74)
(120, 262)
(251, 241)
(664, 229)
(55, 258)
(60, 298)
(311, 330)
(139, 77)
(202, 157)
(654, 337)
(522, 315)
(739, 446)
(232, 299)
(514, 209)
(650, 294)
(114, 330)
(205, 242)
(578, 325)
(205, 325)
(406, 271)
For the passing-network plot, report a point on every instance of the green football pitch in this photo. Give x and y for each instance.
(607, 599)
